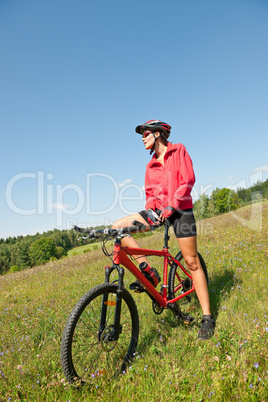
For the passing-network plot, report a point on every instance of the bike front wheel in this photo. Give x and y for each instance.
(87, 352)
(179, 283)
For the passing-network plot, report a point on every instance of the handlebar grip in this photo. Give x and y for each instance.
(138, 225)
(81, 230)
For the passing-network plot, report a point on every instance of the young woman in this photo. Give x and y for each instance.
(169, 180)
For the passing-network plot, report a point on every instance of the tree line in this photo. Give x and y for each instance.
(17, 253)
(225, 200)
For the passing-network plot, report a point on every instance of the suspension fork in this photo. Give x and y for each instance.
(105, 302)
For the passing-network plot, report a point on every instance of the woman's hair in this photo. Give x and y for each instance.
(163, 138)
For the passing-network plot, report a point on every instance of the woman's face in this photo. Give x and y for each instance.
(148, 138)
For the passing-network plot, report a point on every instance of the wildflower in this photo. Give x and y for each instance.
(228, 358)
(256, 365)
(19, 367)
(62, 380)
(251, 386)
(211, 393)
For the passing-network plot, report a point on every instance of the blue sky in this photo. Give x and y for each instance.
(77, 77)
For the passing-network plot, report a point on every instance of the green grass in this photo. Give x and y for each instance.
(170, 363)
(86, 248)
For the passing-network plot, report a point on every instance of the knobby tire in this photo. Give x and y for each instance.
(86, 354)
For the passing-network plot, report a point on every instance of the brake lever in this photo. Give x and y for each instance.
(83, 237)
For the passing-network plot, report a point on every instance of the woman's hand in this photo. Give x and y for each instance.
(166, 213)
(153, 218)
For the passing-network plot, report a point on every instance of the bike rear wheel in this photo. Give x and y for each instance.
(86, 351)
(179, 283)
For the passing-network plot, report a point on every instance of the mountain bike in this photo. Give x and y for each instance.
(101, 333)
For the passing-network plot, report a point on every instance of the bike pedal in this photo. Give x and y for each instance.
(140, 290)
(187, 320)
(137, 287)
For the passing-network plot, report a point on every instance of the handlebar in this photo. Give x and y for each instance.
(91, 233)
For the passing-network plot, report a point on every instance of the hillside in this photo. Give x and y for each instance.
(18, 253)
(170, 363)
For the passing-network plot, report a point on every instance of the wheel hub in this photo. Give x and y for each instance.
(106, 344)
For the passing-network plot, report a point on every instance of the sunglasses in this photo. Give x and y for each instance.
(146, 133)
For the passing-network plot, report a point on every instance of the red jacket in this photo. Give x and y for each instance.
(170, 184)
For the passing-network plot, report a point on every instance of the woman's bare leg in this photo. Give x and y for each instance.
(129, 241)
(188, 246)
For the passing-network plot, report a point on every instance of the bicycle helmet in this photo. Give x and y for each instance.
(154, 125)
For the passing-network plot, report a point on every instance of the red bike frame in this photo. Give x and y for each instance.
(120, 256)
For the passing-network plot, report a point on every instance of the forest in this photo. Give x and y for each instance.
(225, 200)
(18, 253)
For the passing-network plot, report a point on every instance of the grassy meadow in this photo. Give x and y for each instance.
(170, 364)
(85, 249)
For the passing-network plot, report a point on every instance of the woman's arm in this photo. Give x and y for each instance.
(150, 197)
(186, 179)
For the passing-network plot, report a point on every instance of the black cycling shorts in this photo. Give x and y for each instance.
(183, 222)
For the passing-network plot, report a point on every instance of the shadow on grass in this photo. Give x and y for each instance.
(157, 337)
(219, 289)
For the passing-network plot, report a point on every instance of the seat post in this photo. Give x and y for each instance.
(166, 238)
